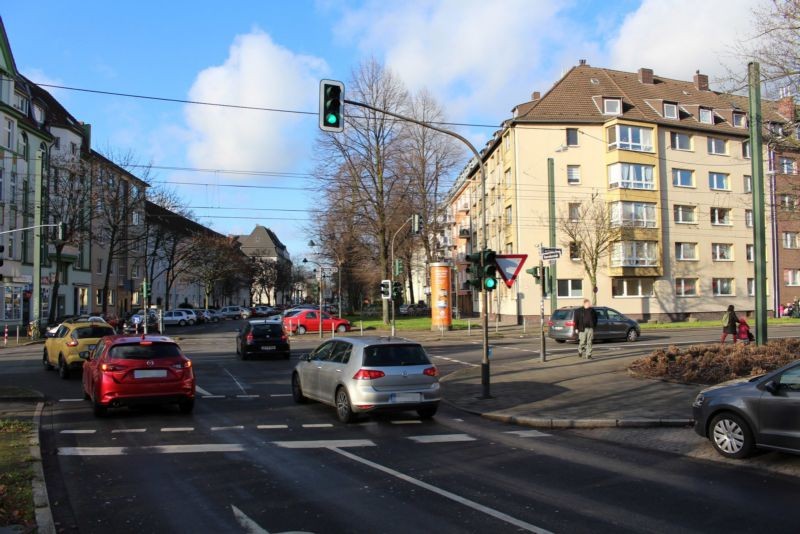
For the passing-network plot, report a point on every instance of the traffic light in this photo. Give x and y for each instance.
(331, 99)
(415, 224)
(397, 290)
(386, 289)
(473, 271)
(398, 267)
(2, 250)
(489, 270)
(62, 231)
(546, 281)
(534, 271)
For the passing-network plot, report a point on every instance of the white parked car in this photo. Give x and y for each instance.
(175, 317)
(192, 316)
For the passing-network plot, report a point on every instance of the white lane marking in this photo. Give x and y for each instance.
(127, 430)
(442, 438)
(458, 420)
(78, 431)
(249, 526)
(213, 396)
(157, 449)
(528, 433)
(247, 396)
(325, 444)
(234, 379)
(202, 391)
(281, 395)
(234, 427)
(444, 493)
(178, 429)
(453, 360)
(318, 425)
(271, 427)
(70, 400)
(406, 422)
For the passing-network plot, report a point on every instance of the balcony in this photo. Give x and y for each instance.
(464, 233)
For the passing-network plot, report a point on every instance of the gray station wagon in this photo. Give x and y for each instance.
(368, 374)
(611, 324)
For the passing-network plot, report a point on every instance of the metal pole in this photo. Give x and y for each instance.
(759, 230)
(320, 301)
(36, 295)
(551, 197)
(542, 349)
(340, 286)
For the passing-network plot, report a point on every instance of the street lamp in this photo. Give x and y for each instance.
(320, 292)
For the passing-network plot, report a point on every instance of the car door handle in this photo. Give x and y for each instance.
(338, 370)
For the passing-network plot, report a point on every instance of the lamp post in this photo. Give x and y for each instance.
(339, 263)
(305, 260)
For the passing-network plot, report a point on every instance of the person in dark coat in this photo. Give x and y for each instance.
(585, 323)
(729, 324)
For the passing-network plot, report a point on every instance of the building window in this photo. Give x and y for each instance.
(680, 141)
(749, 252)
(110, 297)
(638, 214)
(612, 106)
(746, 149)
(686, 251)
(135, 218)
(135, 271)
(99, 297)
(631, 176)
(788, 202)
(751, 287)
(13, 188)
(739, 120)
(791, 277)
(748, 184)
(507, 176)
(99, 266)
(573, 174)
(574, 251)
(706, 116)
(721, 216)
(722, 287)
(1, 188)
(670, 110)
(791, 239)
(9, 134)
(684, 214)
(634, 254)
(716, 146)
(627, 137)
(682, 178)
(686, 287)
(507, 142)
(786, 165)
(572, 137)
(57, 142)
(574, 211)
(632, 287)
(509, 215)
(775, 128)
(721, 251)
(748, 218)
(571, 288)
(718, 181)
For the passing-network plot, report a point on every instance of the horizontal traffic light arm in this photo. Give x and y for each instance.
(54, 225)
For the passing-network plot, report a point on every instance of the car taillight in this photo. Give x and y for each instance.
(284, 337)
(431, 371)
(368, 374)
(107, 367)
(183, 365)
(569, 323)
(249, 338)
(550, 323)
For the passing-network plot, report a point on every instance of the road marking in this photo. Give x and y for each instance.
(213, 396)
(234, 379)
(235, 427)
(458, 420)
(247, 396)
(332, 444)
(271, 427)
(318, 425)
(178, 429)
(406, 422)
(127, 430)
(444, 493)
(453, 360)
(78, 431)
(249, 526)
(281, 395)
(442, 438)
(202, 391)
(70, 400)
(528, 433)
(157, 449)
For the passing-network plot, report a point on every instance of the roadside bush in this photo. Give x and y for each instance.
(712, 364)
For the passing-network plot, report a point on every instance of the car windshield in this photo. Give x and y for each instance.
(394, 355)
(560, 315)
(266, 330)
(293, 313)
(144, 351)
(90, 332)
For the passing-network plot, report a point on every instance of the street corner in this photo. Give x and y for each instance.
(517, 397)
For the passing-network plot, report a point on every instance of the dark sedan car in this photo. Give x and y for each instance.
(761, 412)
(262, 337)
(611, 324)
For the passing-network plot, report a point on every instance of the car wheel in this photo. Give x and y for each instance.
(186, 406)
(731, 436)
(46, 362)
(561, 340)
(343, 409)
(341, 328)
(301, 330)
(181, 323)
(633, 335)
(63, 369)
(191, 322)
(427, 412)
(297, 390)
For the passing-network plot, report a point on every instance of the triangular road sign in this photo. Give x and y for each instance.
(509, 266)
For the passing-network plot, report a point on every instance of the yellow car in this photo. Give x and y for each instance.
(62, 349)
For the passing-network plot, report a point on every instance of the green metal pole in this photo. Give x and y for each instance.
(36, 294)
(551, 197)
(759, 222)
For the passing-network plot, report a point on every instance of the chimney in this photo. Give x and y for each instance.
(646, 76)
(581, 62)
(700, 81)
(786, 107)
(536, 95)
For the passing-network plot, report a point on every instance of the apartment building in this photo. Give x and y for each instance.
(668, 161)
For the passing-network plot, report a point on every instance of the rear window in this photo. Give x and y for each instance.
(91, 332)
(395, 355)
(561, 315)
(137, 351)
(268, 330)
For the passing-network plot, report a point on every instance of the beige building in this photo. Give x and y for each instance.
(669, 161)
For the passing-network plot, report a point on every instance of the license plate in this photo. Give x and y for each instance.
(268, 347)
(558, 327)
(91, 347)
(150, 373)
(405, 397)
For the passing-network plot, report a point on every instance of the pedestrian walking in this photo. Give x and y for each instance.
(729, 324)
(585, 322)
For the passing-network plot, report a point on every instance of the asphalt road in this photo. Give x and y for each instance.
(250, 460)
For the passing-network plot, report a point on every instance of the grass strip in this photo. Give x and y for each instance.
(16, 473)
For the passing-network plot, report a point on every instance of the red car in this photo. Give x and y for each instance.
(145, 369)
(303, 320)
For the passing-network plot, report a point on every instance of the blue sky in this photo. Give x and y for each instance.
(478, 58)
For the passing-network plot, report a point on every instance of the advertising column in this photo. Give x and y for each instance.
(441, 315)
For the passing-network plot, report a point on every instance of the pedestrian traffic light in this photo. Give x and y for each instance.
(386, 289)
(489, 270)
(534, 271)
(397, 290)
(331, 99)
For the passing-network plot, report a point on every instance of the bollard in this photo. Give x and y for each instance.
(524, 326)
(5, 336)
(361, 327)
(333, 329)
(17, 334)
(469, 327)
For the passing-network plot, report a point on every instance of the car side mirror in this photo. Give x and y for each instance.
(772, 387)
(84, 355)
(305, 357)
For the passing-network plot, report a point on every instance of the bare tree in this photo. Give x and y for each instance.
(265, 274)
(221, 264)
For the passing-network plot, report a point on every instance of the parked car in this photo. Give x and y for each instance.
(234, 312)
(135, 323)
(175, 317)
(611, 324)
(62, 349)
(190, 314)
(264, 311)
(210, 316)
(303, 321)
(368, 374)
(262, 337)
(127, 370)
(747, 414)
(52, 329)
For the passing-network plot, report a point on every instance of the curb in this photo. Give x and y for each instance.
(558, 423)
(41, 502)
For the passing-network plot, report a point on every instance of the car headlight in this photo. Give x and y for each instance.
(699, 400)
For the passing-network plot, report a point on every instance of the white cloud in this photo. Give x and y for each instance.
(677, 38)
(258, 72)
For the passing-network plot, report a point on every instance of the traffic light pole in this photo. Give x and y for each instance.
(485, 376)
(392, 267)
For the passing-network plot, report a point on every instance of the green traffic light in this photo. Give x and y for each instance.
(331, 118)
(490, 283)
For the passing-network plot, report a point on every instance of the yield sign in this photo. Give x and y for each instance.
(509, 266)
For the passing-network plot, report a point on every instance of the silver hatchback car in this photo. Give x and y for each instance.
(368, 374)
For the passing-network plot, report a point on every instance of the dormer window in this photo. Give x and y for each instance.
(775, 128)
(21, 103)
(612, 106)
(706, 116)
(739, 120)
(670, 110)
